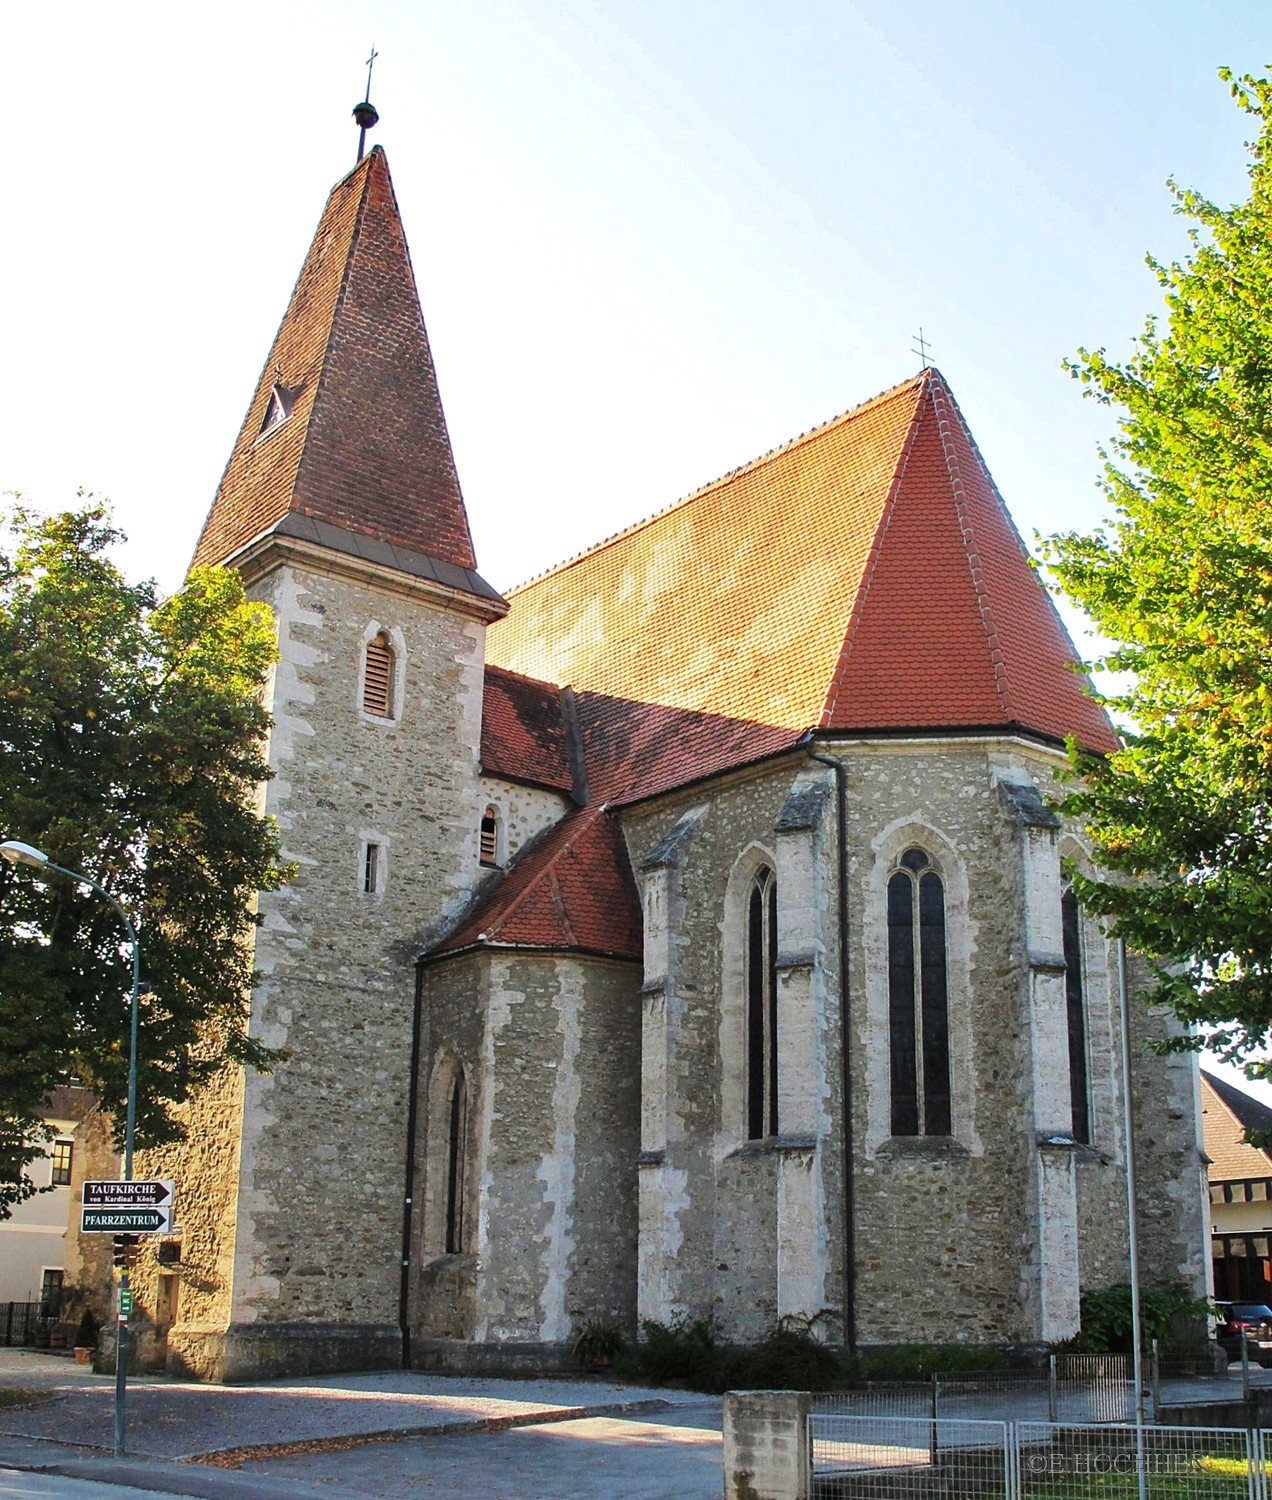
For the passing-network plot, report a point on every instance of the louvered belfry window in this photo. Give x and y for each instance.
(377, 686)
(489, 838)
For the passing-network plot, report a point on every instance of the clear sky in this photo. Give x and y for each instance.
(652, 239)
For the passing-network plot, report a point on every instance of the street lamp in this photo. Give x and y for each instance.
(18, 853)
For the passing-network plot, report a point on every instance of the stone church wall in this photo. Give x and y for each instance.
(551, 1047)
(981, 1237)
(522, 812)
(712, 1240)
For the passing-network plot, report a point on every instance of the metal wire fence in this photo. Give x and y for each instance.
(1065, 1462)
(887, 1458)
(1075, 1388)
(876, 1457)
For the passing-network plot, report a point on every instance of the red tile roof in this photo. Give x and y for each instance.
(864, 577)
(1226, 1114)
(569, 889)
(636, 750)
(364, 448)
(523, 731)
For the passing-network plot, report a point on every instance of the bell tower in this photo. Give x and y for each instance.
(341, 508)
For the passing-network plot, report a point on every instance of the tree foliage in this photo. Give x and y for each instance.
(132, 737)
(1181, 580)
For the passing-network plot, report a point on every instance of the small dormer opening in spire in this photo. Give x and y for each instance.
(278, 408)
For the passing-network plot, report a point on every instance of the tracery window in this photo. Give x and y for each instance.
(1079, 1091)
(377, 679)
(918, 998)
(761, 1006)
(456, 1144)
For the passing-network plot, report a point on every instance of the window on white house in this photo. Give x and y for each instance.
(61, 1176)
(50, 1293)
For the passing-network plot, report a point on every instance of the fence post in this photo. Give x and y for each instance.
(1051, 1388)
(1157, 1380)
(1245, 1367)
(935, 1403)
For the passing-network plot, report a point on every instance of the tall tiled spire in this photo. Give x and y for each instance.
(345, 443)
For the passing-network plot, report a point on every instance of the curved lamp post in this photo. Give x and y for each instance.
(18, 853)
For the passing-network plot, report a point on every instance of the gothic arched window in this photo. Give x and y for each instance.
(456, 1143)
(377, 679)
(761, 1006)
(918, 1000)
(1079, 1093)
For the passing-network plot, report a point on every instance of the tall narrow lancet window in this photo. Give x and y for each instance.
(1078, 1090)
(377, 681)
(761, 1007)
(455, 1153)
(918, 1000)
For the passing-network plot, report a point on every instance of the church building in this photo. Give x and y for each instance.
(684, 934)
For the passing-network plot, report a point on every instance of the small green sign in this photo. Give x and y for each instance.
(125, 1301)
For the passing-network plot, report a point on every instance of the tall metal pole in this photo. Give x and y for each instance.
(1132, 1234)
(19, 853)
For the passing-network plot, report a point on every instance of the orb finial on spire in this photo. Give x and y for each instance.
(365, 113)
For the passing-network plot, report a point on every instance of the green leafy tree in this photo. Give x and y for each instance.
(132, 737)
(1181, 580)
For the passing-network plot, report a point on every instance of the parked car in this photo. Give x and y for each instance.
(1254, 1319)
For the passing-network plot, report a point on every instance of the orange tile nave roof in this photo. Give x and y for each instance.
(865, 577)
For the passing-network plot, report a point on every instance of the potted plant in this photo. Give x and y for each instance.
(86, 1339)
(596, 1342)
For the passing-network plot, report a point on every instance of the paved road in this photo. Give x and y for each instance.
(374, 1436)
(466, 1439)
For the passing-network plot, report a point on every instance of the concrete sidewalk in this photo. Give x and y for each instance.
(385, 1434)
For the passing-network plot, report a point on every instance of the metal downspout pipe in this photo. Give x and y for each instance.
(845, 1054)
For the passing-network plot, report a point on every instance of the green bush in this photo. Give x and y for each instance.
(597, 1343)
(1167, 1309)
(679, 1353)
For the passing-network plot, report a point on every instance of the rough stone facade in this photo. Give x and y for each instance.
(550, 1052)
(993, 1230)
(316, 1234)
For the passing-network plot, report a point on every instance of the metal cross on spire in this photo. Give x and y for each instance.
(365, 112)
(922, 350)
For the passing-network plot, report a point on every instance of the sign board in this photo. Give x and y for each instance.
(143, 1194)
(98, 1219)
(125, 1302)
(143, 1207)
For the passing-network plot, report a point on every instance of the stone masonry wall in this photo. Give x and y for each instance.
(523, 811)
(720, 1193)
(318, 1217)
(550, 1045)
(948, 1235)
